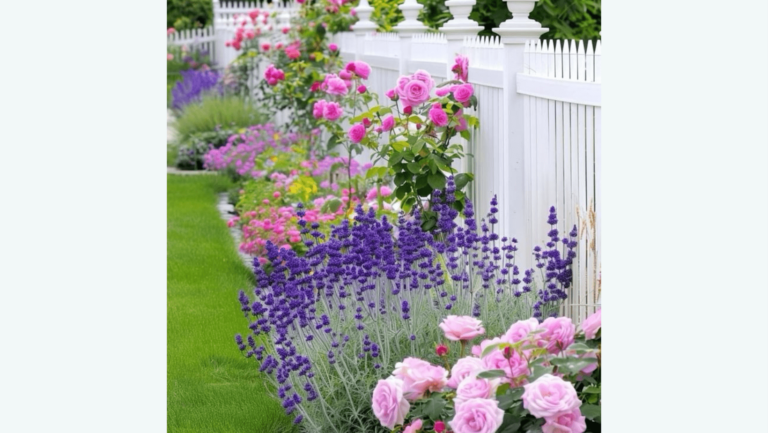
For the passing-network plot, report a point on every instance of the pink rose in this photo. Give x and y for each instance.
(442, 91)
(170, 56)
(388, 123)
(464, 368)
(171, 30)
(463, 92)
(361, 88)
(473, 387)
(414, 92)
(441, 350)
(333, 47)
(520, 330)
(477, 415)
(550, 396)
(249, 34)
(332, 111)
(265, 46)
(591, 324)
(336, 86)
(424, 77)
(439, 426)
(514, 367)
(414, 426)
(388, 403)
(356, 132)
(401, 82)
(292, 53)
(461, 328)
(558, 334)
(438, 116)
(344, 75)
(362, 69)
(571, 422)
(317, 109)
(461, 68)
(419, 376)
(391, 94)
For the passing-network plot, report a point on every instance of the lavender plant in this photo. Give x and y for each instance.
(373, 293)
(192, 87)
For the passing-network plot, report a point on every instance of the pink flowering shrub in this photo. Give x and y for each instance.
(416, 136)
(240, 154)
(513, 383)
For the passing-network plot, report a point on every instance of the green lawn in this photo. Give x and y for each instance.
(211, 387)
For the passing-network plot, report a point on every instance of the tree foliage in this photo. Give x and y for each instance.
(188, 14)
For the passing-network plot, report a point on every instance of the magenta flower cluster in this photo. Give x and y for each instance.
(241, 150)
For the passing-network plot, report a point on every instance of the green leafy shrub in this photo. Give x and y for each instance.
(566, 19)
(188, 14)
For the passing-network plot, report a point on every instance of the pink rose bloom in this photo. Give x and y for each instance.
(390, 93)
(336, 86)
(461, 328)
(438, 116)
(292, 53)
(442, 91)
(592, 324)
(333, 47)
(388, 403)
(477, 415)
(388, 123)
(249, 34)
(520, 330)
(414, 426)
(361, 88)
(414, 92)
(550, 396)
(317, 109)
(419, 376)
(278, 45)
(332, 111)
(463, 92)
(461, 68)
(558, 334)
(345, 75)
(401, 82)
(353, 12)
(439, 426)
(265, 46)
(571, 422)
(170, 56)
(473, 387)
(285, 30)
(514, 367)
(362, 69)
(464, 368)
(171, 30)
(356, 132)
(424, 77)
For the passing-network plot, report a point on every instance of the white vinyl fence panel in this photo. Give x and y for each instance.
(539, 141)
(561, 88)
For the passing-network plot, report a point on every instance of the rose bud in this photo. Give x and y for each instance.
(441, 350)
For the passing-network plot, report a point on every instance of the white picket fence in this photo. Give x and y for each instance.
(538, 144)
(227, 16)
(539, 141)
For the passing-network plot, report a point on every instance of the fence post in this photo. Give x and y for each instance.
(406, 29)
(514, 33)
(363, 26)
(219, 36)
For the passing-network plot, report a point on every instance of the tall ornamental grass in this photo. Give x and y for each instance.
(216, 111)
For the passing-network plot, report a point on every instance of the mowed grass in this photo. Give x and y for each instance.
(211, 386)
